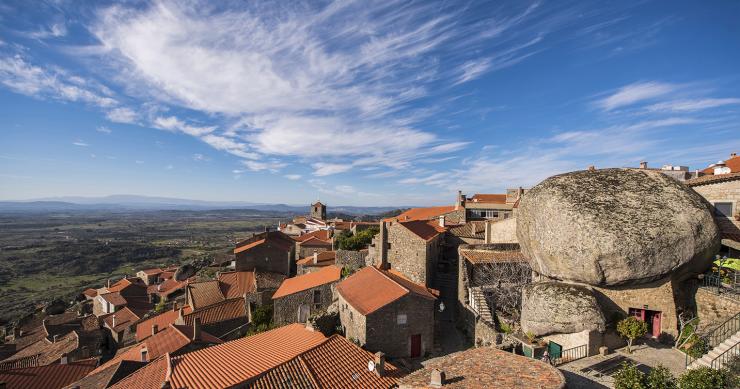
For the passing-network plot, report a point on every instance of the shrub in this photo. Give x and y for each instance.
(530, 337)
(359, 241)
(505, 327)
(703, 378)
(628, 377)
(631, 328)
(660, 378)
(698, 348)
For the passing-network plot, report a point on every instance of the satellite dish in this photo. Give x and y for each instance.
(370, 365)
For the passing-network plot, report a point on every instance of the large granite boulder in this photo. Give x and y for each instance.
(555, 307)
(615, 227)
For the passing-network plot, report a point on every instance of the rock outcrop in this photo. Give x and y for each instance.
(615, 227)
(554, 307)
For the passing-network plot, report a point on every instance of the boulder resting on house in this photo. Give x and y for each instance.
(555, 307)
(615, 227)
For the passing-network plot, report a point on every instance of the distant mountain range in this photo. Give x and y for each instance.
(148, 203)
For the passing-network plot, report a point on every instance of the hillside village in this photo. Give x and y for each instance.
(524, 289)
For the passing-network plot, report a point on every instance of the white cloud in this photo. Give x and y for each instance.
(56, 30)
(80, 143)
(174, 124)
(692, 105)
(22, 77)
(634, 93)
(256, 166)
(326, 169)
(122, 115)
(293, 176)
(104, 130)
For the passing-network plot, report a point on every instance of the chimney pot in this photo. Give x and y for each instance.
(643, 165)
(733, 155)
(196, 329)
(155, 329)
(438, 379)
(441, 220)
(379, 364)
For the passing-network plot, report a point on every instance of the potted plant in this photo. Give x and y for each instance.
(532, 347)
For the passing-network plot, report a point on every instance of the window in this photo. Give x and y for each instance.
(317, 298)
(401, 318)
(723, 209)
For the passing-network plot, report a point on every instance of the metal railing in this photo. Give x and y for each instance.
(712, 282)
(571, 354)
(722, 359)
(714, 338)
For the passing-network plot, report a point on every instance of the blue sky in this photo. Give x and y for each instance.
(356, 103)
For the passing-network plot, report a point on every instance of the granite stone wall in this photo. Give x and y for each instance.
(352, 260)
(413, 256)
(385, 332)
(285, 309)
(713, 309)
(728, 191)
(266, 257)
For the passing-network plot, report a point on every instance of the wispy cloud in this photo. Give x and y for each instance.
(80, 143)
(692, 105)
(634, 93)
(122, 115)
(104, 130)
(293, 177)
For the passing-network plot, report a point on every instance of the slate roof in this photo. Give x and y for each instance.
(47, 377)
(370, 289)
(303, 282)
(205, 293)
(423, 213)
(492, 256)
(335, 363)
(242, 359)
(269, 280)
(487, 367)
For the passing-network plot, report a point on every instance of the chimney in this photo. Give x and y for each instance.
(315, 257)
(249, 309)
(108, 283)
(64, 360)
(438, 379)
(144, 353)
(643, 165)
(155, 329)
(196, 329)
(460, 202)
(114, 321)
(487, 234)
(733, 155)
(384, 246)
(379, 364)
(180, 318)
(441, 220)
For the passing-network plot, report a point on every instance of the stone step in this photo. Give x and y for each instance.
(713, 354)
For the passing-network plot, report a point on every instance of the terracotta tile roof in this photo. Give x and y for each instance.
(168, 287)
(124, 318)
(293, 374)
(237, 283)
(422, 213)
(472, 229)
(426, 230)
(150, 376)
(324, 235)
(733, 163)
(269, 280)
(712, 179)
(220, 319)
(90, 292)
(300, 283)
(164, 319)
(125, 283)
(242, 359)
(370, 289)
(324, 258)
(487, 367)
(108, 376)
(114, 298)
(43, 352)
(205, 293)
(168, 340)
(152, 272)
(166, 275)
(315, 242)
(489, 198)
(46, 377)
(248, 246)
(492, 256)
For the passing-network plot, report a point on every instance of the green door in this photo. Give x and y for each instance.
(555, 350)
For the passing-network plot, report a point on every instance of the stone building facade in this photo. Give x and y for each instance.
(299, 306)
(270, 251)
(318, 210)
(723, 192)
(309, 246)
(414, 249)
(713, 309)
(351, 260)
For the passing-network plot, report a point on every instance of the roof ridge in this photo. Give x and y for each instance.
(173, 326)
(391, 279)
(311, 373)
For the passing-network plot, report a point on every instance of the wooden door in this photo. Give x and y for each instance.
(415, 346)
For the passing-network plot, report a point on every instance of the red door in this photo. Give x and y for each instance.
(656, 324)
(415, 346)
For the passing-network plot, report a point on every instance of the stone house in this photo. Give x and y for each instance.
(270, 251)
(300, 297)
(723, 192)
(127, 292)
(384, 311)
(149, 276)
(490, 281)
(316, 241)
(318, 210)
(315, 262)
(492, 206)
(226, 320)
(413, 248)
(122, 326)
(351, 260)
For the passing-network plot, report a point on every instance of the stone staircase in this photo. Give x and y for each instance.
(481, 304)
(719, 354)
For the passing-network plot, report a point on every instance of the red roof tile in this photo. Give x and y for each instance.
(114, 298)
(315, 242)
(205, 293)
(49, 376)
(168, 287)
(226, 310)
(712, 179)
(423, 213)
(248, 246)
(90, 292)
(237, 283)
(733, 163)
(489, 198)
(152, 272)
(125, 317)
(326, 275)
(324, 235)
(150, 376)
(164, 319)
(240, 360)
(426, 230)
(324, 258)
(371, 289)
